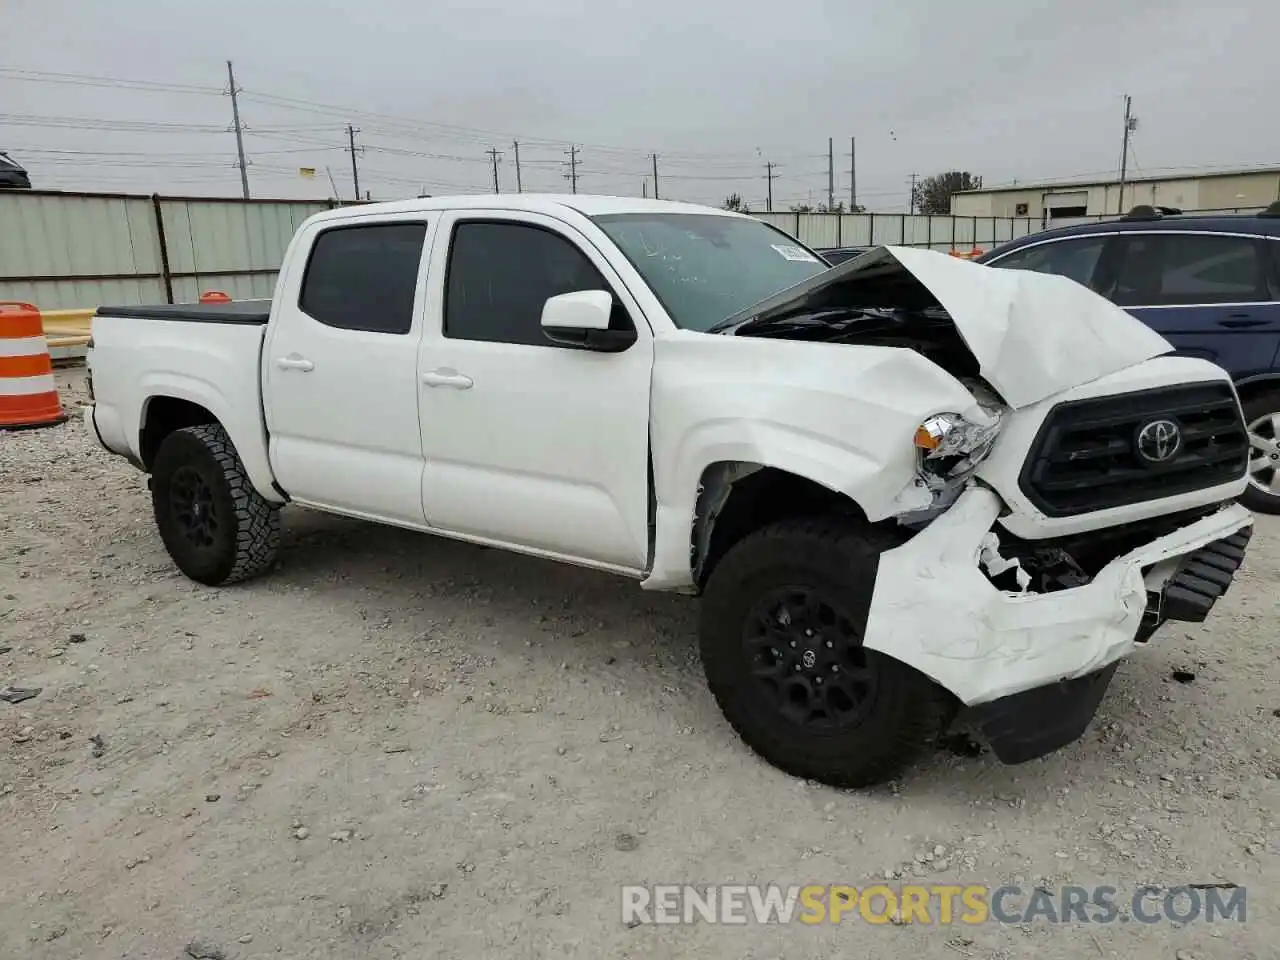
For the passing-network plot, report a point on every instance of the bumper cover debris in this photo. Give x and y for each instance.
(934, 608)
(1027, 725)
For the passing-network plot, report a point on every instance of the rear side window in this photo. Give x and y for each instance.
(1183, 268)
(1076, 258)
(364, 278)
(501, 274)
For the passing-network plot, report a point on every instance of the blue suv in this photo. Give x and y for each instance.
(1209, 284)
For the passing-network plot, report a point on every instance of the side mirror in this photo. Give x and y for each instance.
(581, 320)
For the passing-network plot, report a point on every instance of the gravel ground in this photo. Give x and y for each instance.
(395, 746)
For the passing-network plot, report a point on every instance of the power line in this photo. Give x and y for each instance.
(88, 80)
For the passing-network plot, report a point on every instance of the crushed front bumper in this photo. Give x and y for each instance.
(1023, 726)
(935, 609)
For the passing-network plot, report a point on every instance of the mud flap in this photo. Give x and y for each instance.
(1027, 725)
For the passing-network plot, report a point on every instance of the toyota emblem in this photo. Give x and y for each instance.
(1159, 441)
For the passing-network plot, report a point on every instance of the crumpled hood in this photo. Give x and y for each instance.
(1033, 334)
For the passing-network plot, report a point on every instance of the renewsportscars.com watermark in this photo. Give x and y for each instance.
(929, 904)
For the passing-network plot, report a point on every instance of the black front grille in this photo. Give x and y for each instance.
(1086, 455)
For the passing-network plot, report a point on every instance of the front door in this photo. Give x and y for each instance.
(340, 382)
(529, 444)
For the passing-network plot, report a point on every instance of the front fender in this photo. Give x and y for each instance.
(839, 416)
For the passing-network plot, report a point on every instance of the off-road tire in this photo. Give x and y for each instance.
(834, 558)
(1256, 408)
(246, 538)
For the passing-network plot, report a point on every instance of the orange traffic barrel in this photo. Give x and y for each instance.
(28, 394)
(214, 296)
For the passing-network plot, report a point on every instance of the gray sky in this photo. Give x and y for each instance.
(1025, 89)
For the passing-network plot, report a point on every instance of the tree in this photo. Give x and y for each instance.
(933, 194)
(735, 202)
(802, 208)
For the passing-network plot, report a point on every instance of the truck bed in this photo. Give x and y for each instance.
(212, 360)
(251, 312)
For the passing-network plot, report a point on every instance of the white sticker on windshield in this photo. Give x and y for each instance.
(791, 252)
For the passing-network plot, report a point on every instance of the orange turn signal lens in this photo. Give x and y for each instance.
(926, 439)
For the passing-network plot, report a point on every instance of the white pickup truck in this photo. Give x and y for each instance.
(903, 485)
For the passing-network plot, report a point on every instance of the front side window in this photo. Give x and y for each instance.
(705, 268)
(1164, 269)
(364, 278)
(502, 273)
(1076, 258)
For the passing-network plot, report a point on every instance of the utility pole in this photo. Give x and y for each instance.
(515, 145)
(656, 195)
(831, 175)
(644, 189)
(235, 118)
(914, 177)
(355, 172)
(768, 175)
(493, 156)
(1130, 125)
(853, 174)
(572, 175)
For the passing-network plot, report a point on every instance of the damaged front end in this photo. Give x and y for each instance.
(1028, 622)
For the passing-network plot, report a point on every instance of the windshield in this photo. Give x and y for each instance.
(706, 268)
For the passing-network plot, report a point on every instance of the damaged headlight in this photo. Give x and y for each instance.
(949, 446)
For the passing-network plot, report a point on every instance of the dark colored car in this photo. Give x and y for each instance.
(838, 255)
(1209, 284)
(12, 176)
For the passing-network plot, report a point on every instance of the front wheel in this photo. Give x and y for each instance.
(217, 528)
(782, 622)
(1262, 414)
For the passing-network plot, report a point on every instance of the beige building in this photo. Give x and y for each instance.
(1223, 191)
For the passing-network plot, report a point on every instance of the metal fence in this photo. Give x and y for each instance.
(941, 233)
(66, 250)
(63, 250)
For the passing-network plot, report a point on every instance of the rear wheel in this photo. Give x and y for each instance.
(217, 528)
(1262, 414)
(783, 618)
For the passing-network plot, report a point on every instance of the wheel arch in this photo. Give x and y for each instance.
(736, 498)
(161, 416)
(172, 402)
(1254, 385)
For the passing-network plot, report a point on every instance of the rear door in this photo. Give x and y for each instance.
(340, 370)
(1212, 295)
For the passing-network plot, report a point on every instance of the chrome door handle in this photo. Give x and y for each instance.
(295, 363)
(446, 377)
